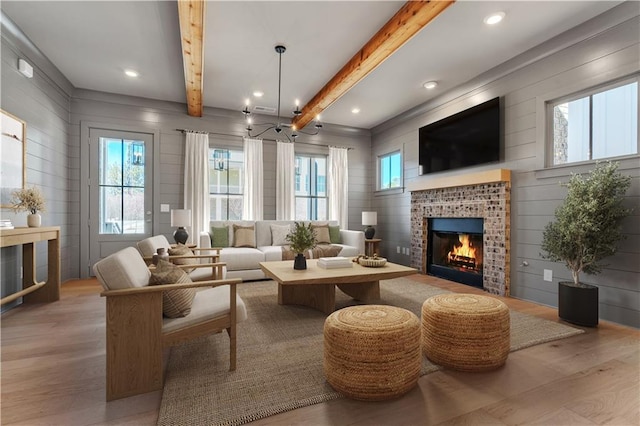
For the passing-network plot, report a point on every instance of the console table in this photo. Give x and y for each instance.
(32, 291)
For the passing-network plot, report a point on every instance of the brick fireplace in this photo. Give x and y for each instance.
(485, 195)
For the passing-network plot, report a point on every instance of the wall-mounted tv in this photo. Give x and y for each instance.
(468, 138)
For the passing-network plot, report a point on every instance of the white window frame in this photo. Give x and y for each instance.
(551, 103)
(313, 199)
(393, 189)
(228, 194)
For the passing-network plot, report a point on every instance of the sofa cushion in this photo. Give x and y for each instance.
(182, 250)
(279, 235)
(347, 251)
(244, 236)
(240, 258)
(175, 303)
(334, 234)
(322, 233)
(272, 253)
(220, 236)
(321, 250)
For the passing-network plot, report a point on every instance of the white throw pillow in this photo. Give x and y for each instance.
(279, 235)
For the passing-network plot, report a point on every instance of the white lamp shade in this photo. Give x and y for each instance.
(369, 218)
(181, 217)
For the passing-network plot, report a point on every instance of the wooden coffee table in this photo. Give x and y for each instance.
(315, 286)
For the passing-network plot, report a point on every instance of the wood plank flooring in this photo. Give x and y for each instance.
(53, 366)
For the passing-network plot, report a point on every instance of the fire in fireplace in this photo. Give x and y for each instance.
(454, 251)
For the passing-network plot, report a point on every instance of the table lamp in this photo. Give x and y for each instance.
(369, 219)
(181, 218)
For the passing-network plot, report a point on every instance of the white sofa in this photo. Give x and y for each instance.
(243, 262)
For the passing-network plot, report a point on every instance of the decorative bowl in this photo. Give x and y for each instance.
(373, 263)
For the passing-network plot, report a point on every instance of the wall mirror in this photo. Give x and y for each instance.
(12, 157)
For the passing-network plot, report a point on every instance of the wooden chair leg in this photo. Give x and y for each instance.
(232, 329)
(134, 345)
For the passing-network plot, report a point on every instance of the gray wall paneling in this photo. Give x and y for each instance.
(43, 102)
(601, 50)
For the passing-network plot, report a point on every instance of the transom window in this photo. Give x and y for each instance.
(390, 171)
(595, 124)
(311, 187)
(226, 182)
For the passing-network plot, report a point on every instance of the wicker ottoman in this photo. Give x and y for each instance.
(372, 352)
(466, 332)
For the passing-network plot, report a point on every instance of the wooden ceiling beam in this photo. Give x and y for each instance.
(406, 23)
(191, 17)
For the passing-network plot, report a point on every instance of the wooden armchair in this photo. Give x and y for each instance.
(217, 270)
(137, 333)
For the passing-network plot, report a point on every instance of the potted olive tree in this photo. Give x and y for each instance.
(300, 239)
(586, 230)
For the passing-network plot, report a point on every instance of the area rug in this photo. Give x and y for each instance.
(280, 353)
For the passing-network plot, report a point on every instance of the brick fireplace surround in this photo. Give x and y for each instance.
(485, 195)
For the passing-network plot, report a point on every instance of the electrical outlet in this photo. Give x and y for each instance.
(398, 249)
(548, 275)
(164, 208)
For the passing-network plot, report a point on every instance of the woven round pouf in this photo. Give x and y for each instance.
(466, 332)
(372, 352)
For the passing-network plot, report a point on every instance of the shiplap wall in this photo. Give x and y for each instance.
(43, 103)
(604, 49)
(226, 129)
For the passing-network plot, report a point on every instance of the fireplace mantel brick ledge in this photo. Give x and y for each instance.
(485, 195)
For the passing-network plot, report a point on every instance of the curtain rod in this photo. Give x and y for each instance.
(266, 139)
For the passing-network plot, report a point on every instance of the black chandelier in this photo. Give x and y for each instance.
(279, 127)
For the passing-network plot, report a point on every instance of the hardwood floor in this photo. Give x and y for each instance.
(53, 367)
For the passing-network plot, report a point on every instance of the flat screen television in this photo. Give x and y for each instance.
(465, 139)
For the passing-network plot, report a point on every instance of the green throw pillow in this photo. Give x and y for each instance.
(220, 236)
(334, 234)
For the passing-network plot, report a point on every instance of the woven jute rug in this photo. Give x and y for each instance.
(280, 352)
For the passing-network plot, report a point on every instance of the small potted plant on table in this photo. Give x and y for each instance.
(586, 230)
(29, 200)
(300, 239)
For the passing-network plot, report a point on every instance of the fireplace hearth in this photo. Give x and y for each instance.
(485, 195)
(455, 249)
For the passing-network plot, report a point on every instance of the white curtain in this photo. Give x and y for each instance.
(338, 175)
(252, 205)
(285, 181)
(196, 182)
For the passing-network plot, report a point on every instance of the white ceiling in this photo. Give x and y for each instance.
(92, 42)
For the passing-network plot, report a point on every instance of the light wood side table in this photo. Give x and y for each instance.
(49, 290)
(372, 246)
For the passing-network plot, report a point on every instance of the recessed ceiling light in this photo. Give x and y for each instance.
(258, 94)
(131, 73)
(430, 85)
(355, 110)
(494, 18)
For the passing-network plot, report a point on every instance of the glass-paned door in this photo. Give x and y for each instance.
(120, 187)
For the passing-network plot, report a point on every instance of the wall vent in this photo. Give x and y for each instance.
(259, 108)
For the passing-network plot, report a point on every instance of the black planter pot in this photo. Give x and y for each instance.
(578, 304)
(300, 262)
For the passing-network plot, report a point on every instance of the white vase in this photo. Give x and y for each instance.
(34, 220)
